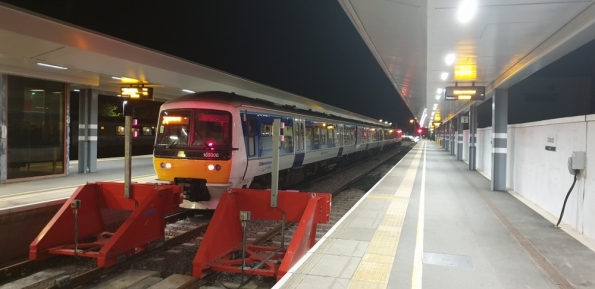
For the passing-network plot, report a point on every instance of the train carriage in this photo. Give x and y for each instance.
(213, 141)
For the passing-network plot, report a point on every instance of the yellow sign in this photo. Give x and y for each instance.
(137, 92)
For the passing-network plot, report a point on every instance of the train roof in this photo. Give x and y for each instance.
(317, 109)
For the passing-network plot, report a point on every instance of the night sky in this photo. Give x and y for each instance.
(309, 48)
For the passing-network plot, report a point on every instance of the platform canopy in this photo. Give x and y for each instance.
(502, 42)
(87, 59)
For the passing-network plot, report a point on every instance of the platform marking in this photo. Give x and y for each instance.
(374, 269)
(416, 276)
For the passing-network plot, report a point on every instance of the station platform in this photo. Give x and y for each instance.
(432, 223)
(24, 195)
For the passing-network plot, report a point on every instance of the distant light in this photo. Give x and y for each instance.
(76, 90)
(439, 90)
(435, 105)
(380, 120)
(449, 59)
(438, 97)
(386, 122)
(444, 75)
(52, 66)
(466, 10)
(118, 78)
(188, 91)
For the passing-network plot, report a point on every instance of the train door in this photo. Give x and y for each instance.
(251, 135)
(299, 138)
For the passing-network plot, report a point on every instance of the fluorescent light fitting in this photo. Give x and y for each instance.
(118, 78)
(450, 59)
(466, 10)
(439, 90)
(77, 90)
(438, 97)
(187, 90)
(52, 66)
(435, 105)
(444, 75)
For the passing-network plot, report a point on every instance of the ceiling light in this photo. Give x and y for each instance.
(466, 10)
(52, 66)
(438, 97)
(118, 78)
(77, 90)
(449, 59)
(465, 72)
(439, 90)
(435, 105)
(444, 75)
(187, 90)
(380, 120)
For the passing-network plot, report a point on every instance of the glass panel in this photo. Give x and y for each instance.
(173, 128)
(287, 145)
(212, 129)
(35, 127)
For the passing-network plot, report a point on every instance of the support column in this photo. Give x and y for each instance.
(447, 136)
(499, 139)
(452, 137)
(67, 129)
(472, 136)
(87, 142)
(443, 135)
(3, 127)
(459, 138)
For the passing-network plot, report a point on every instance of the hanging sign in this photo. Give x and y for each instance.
(465, 93)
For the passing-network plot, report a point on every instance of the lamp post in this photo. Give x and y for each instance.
(413, 125)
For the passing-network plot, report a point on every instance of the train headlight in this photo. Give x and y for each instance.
(214, 167)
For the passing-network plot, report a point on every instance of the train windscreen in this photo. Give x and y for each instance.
(199, 129)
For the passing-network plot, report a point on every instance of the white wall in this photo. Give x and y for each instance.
(484, 150)
(542, 176)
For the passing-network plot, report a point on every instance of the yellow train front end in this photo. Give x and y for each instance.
(193, 147)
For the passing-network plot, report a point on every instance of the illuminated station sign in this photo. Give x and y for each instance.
(137, 92)
(465, 93)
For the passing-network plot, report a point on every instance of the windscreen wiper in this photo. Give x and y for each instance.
(173, 143)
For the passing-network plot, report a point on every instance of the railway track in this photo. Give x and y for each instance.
(271, 237)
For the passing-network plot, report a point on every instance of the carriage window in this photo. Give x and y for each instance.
(212, 129)
(287, 145)
(330, 132)
(349, 135)
(174, 128)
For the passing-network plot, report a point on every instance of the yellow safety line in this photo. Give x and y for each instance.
(418, 256)
(374, 269)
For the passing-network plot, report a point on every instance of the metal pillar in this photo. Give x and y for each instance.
(472, 136)
(275, 166)
(452, 137)
(460, 138)
(67, 129)
(447, 136)
(3, 127)
(499, 139)
(87, 142)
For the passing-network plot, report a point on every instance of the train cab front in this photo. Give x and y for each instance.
(193, 148)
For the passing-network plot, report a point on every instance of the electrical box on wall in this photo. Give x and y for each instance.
(578, 160)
